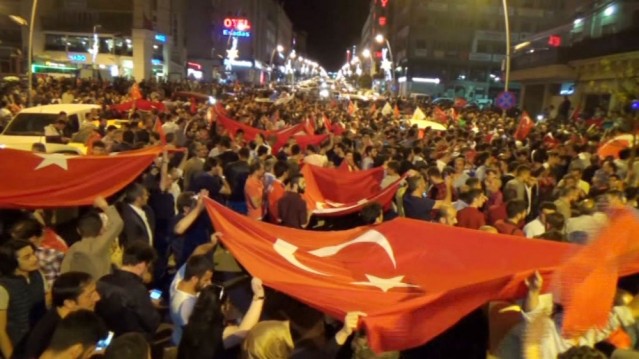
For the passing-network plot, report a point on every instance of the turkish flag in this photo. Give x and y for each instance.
(309, 126)
(440, 116)
(525, 126)
(158, 128)
(460, 102)
(250, 132)
(327, 124)
(42, 180)
(586, 284)
(351, 108)
(135, 92)
(139, 104)
(334, 192)
(302, 140)
(414, 279)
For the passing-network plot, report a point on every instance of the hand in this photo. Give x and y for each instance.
(534, 282)
(201, 196)
(101, 203)
(351, 320)
(256, 286)
(215, 238)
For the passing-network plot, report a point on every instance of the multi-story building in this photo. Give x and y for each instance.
(131, 38)
(254, 28)
(457, 47)
(11, 56)
(590, 59)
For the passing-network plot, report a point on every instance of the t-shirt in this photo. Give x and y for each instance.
(418, 207)
(292, 210)
(254, 189)
(182, 304)
(276, 192)
(470, 217)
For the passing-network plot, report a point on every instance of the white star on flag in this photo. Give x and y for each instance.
(54, 159)
(385, 284)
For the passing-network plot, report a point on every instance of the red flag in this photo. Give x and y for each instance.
(302, 140)
(550, 141)
(525, 126)
(345, 186)
(95, 136)
(332, 192)
(160, 131)
(39, 180)
(373, 109)
(135, 92)
(460, 102)
(576, 113)
(586, 283)
(440, 116)
(139, 104)
(351, 108)
(327, 124)
(412, 278)
(193, 106)
(309, 127)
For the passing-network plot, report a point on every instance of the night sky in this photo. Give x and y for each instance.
(332, 27)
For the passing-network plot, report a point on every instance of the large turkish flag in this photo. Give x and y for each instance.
(414, 279)
(40, 180)
(335, 192)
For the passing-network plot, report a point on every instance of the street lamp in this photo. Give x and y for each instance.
(381, 39)
(34, 8)
(366, 53)
(18, 20)
(507, 59)
(279, 49)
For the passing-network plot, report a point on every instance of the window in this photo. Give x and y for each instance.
(608, 29)
(123, 47)
(78, 43)
(420, 44)
(55, 42)
(106, 45)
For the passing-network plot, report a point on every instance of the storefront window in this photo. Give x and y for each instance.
(158, 52)
(78, 43)
(54, 42)
(106, 45)
(123, 47)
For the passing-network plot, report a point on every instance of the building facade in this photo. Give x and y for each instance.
(457, 47)
(140, 39)
(595, 56)
(250, 29)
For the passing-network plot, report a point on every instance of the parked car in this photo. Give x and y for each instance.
(27, 127)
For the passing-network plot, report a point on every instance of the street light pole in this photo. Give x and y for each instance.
(507, 59)
(279, 49)
(34, 8)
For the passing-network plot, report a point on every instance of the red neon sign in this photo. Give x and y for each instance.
(237, 24)
(382, 21)
(384, 3)
(554, 40)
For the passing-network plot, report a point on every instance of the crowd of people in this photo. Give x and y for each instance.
(148, 266)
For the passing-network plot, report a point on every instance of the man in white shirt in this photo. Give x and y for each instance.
(198, 273)
(537, 227)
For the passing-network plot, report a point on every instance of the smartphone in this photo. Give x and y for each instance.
(155, 294)
(104, 343)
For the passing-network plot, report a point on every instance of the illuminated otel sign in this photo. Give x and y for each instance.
(237, 27)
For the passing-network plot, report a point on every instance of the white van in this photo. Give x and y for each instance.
(27, 127)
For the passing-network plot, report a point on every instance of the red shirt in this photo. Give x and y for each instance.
(506, 227)
(254, 188)
(276, 192)
(496, 213)
(470, 217)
